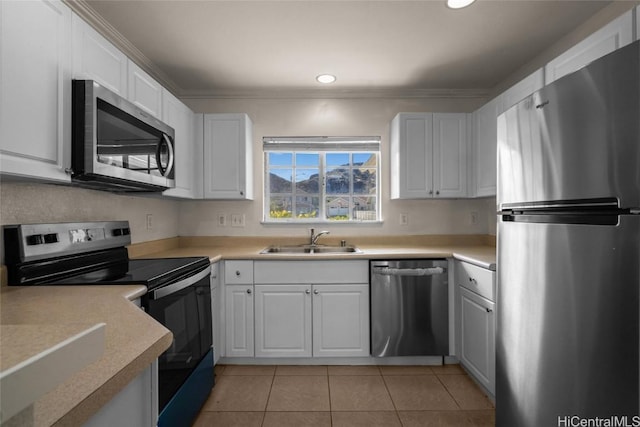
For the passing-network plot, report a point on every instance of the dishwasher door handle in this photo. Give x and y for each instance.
(389, 271)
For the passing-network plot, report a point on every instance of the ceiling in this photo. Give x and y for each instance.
(214, 48)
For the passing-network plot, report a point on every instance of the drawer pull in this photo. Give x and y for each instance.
(238, 273)
(472, 280)
(307, 291)
(488, 310)
(249, 291)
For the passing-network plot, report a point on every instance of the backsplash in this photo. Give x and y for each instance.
(23, 203)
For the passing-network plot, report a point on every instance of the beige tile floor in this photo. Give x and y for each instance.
(345, 396)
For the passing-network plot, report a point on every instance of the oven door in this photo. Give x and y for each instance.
(184, 308)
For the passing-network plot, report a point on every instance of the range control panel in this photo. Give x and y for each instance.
(31, 242)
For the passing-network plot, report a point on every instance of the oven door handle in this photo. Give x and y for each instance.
(178, 286)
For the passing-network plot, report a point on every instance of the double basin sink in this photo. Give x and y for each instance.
(310, 249)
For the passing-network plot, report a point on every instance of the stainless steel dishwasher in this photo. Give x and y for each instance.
(409, 308)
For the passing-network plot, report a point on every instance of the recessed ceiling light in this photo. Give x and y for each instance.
(326, 78)
(458, 4)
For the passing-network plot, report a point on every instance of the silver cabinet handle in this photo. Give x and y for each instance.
(238, 273)
(488, 310)
(472, 280)
(249, 291)
(315, 292)
(307, 291)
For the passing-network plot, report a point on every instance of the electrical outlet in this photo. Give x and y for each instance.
(222, 220)
(473, 217)
(149, 222)
(404, 219)
(237, 220)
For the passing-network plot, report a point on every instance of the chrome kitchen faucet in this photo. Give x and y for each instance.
(314, 237)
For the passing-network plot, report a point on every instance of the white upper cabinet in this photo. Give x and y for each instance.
(428, 155)
(95, 58)
(521, 90)
(485, 143)
(35, 89)
(484, 140)
(228, 156)
(612, 36)
(450, 154)
(187, 146)
(144, 91)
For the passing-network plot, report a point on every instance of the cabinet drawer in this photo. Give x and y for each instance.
(476, 279)
(238, 272)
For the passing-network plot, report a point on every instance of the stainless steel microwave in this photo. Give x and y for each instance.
(117, 146)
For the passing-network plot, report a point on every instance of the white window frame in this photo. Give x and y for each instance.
(321, 146)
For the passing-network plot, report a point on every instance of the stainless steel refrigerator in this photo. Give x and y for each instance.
(567, 328)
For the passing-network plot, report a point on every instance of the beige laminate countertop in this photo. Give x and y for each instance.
(481, 255)
(45, 315)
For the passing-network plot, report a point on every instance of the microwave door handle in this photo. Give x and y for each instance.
(165, 140)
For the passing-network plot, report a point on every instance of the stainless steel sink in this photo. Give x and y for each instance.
(310, 249)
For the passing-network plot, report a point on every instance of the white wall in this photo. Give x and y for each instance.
(24, 203)
(335, 117)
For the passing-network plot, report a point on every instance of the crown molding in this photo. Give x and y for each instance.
(93, 18)
(355, 93)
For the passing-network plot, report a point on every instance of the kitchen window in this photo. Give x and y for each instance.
(321, 179)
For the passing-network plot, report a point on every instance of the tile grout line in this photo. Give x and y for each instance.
(395, 408)
(329, 390)
(264, 413)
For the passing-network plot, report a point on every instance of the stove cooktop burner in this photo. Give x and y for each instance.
(152, 273)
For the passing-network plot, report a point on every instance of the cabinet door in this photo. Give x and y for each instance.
(477, 329)
(188, 149)
(283, 320)
(144, 91)
(612, 36)
(522, 89)
(216, 320)
(228, 160)
(35, 88)
(239, 321)
(449, 155)
(95, 58)
(341, 320)
(485, 143)
(411, 156)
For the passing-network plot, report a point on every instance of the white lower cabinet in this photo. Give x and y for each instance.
(135, 405)
(215, 312)
(283, 320)
(476, 322)
(477, 328)
(295, 317)
(239, 321)
(341, 320)
(312, 320)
